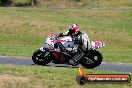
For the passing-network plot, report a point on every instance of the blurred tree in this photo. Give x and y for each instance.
(5, 2)
(34, 2)
(78, 0)
(13, 2)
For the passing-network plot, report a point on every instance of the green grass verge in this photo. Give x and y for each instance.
(23, 30)
(48, 77)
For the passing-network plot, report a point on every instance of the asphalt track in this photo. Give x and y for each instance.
(99, 9)
(28, 62)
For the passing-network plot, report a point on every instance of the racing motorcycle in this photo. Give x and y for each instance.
(48, 53)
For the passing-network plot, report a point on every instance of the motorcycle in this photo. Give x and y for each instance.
(90, 59)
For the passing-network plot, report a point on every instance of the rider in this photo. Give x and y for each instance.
(75, 33)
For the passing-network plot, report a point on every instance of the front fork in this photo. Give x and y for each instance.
(45, 51)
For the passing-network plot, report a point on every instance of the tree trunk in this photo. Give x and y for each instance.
(34, 2)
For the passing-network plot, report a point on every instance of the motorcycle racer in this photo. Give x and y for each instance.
(74, 49)
(76, 35)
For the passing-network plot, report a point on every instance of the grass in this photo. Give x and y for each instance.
(48, 77)
(23, 30)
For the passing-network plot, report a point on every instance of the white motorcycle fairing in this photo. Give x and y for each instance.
(68, 43)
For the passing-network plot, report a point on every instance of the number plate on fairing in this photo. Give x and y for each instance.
(97, 44)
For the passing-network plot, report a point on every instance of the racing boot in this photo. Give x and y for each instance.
(72, 62)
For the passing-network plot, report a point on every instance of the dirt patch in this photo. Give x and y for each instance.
(11, 23)
(12, 80)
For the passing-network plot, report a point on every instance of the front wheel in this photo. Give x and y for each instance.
(39, 58)
(92, 60)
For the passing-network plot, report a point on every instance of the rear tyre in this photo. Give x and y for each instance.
(92, 60)
(39, 59)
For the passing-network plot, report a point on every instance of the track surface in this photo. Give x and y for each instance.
(28, 62)
(89, 9)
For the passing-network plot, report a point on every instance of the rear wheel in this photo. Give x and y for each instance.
(92, 60)
(39, 58)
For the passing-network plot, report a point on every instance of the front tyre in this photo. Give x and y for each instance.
(92, 60)
(40, 59)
